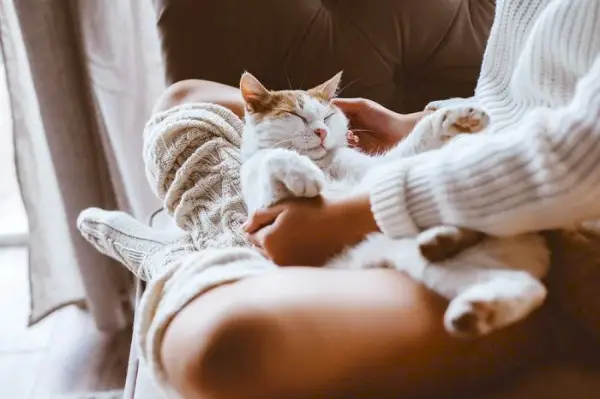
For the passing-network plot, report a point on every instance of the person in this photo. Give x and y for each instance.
(310, 332)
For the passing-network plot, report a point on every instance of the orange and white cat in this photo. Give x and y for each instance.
(295, 145)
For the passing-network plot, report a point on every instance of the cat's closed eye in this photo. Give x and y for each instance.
(328, 116)
(299, 116)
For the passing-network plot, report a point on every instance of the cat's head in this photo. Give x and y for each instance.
(305, 121)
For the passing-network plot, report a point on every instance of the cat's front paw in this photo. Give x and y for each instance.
(297, 176)
(462, 119)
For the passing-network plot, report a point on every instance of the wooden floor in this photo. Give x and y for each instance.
(62, 355)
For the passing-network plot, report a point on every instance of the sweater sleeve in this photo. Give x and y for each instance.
(544, 174)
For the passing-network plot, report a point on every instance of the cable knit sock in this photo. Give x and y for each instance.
(121, 237)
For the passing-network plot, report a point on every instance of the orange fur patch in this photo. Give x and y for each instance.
(319, 95)
(264, 103)
(278, 103)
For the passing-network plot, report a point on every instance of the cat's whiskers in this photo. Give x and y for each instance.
(339, 91)
(303, 81)
(287, 76)
(279, 143)
(300, 145)
(298, 138)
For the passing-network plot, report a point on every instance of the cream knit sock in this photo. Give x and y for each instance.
(140, 248)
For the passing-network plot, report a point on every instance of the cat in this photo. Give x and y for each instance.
(295, 144)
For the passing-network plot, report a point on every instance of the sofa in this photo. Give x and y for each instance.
(400, 53)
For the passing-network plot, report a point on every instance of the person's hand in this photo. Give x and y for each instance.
(309, 231)
(375, 128)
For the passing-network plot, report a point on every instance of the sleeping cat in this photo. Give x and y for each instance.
(295, 145)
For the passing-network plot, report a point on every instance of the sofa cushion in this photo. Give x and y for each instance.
(401, 53)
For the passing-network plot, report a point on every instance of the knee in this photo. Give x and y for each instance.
(201, 91)
(178, 93)
(226, 357)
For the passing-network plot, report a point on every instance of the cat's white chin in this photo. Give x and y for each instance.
(317, 153)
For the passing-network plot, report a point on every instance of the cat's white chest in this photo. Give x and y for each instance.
(335, 188)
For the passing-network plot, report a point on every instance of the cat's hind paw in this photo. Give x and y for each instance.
(444, 242)
(469, 319)
(490, 306)
(463, 119)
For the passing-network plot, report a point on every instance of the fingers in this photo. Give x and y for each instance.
(254, 240)
(352, 138)
(262, 218)
(257, 227)
(257, 239)
(350, 106)
(362, 141)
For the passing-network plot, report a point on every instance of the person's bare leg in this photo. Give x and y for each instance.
(312, 333)
(195, 90)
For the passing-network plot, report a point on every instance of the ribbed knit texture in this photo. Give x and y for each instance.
(537, 167)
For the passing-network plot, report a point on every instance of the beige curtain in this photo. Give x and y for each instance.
(82, 77)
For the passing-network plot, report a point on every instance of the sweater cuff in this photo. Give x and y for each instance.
(388, 203)
(402, 199)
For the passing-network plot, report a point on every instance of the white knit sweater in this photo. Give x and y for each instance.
(538, 167)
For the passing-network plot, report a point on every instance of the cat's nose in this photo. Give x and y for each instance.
(321, 133)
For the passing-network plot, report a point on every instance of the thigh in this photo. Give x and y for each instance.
(368, 332)
(196, 90)
(387, 331)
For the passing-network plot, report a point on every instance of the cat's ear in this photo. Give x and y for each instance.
(253, 92)
(327, 90)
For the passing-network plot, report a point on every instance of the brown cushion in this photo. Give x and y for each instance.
(401, 53)
(574, 278)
